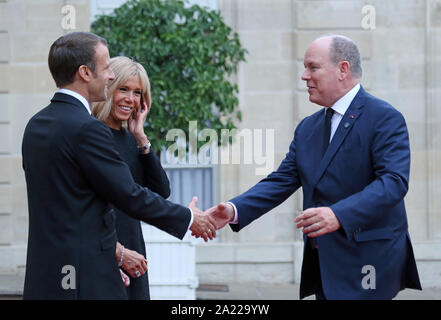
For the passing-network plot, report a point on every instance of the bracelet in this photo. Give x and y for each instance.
(142, 149)
(122, 257)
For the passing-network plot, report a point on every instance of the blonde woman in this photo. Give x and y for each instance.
(125, 112)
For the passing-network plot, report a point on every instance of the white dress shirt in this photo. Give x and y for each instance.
(340, 107)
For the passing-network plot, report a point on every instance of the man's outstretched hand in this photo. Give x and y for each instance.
(203, 225)
(222, 214)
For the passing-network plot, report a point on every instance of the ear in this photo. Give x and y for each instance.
(344, 69)
(84, 73)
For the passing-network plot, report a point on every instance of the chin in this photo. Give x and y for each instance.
(312, 99)
(316, 101)
(123, 118)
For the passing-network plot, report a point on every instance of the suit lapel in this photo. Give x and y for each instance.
(345, 126)
(315, 140)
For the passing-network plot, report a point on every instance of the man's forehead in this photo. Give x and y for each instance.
(318, 50)
(102, 53)
(101, 48)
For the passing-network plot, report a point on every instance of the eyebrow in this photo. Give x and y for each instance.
(126, 86)
(311, 62)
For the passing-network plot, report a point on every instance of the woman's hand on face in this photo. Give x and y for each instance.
(137, 119)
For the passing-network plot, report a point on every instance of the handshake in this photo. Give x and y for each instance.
(205, 223)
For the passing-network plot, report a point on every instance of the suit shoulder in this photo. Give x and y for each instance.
(311, 118)
(381, 109)
(41, 113)
(95, 131)
(77, 120)
(379, 105)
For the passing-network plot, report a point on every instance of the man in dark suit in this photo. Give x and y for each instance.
(352, 161)
(73, 172)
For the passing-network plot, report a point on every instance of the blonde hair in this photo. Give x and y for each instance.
(123, 68)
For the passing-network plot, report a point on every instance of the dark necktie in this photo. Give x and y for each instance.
(328, 117)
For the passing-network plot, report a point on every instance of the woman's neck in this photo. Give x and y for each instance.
(114, 124)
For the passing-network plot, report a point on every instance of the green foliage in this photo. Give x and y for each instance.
(189, 54)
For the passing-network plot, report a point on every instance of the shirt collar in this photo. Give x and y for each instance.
(78, 96)
(342, 104)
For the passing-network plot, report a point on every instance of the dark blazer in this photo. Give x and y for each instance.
(363, 177)
(73, 172)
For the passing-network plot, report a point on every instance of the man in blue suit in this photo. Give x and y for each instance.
(352, 161)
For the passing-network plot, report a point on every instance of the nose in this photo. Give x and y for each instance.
(305, 75)
(111, 75)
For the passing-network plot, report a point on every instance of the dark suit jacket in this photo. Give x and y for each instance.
(73, 172)
(363, 177)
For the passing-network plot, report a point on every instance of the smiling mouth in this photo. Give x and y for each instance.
(125, 108)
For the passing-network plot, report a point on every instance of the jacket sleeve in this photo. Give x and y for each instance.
(110, 177)
(155, 177)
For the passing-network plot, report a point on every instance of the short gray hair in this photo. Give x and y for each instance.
(344, 49)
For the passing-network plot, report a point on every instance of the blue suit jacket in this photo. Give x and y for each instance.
(363, 177)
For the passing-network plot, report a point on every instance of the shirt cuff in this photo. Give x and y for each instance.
(236, 216)
(191, 219)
